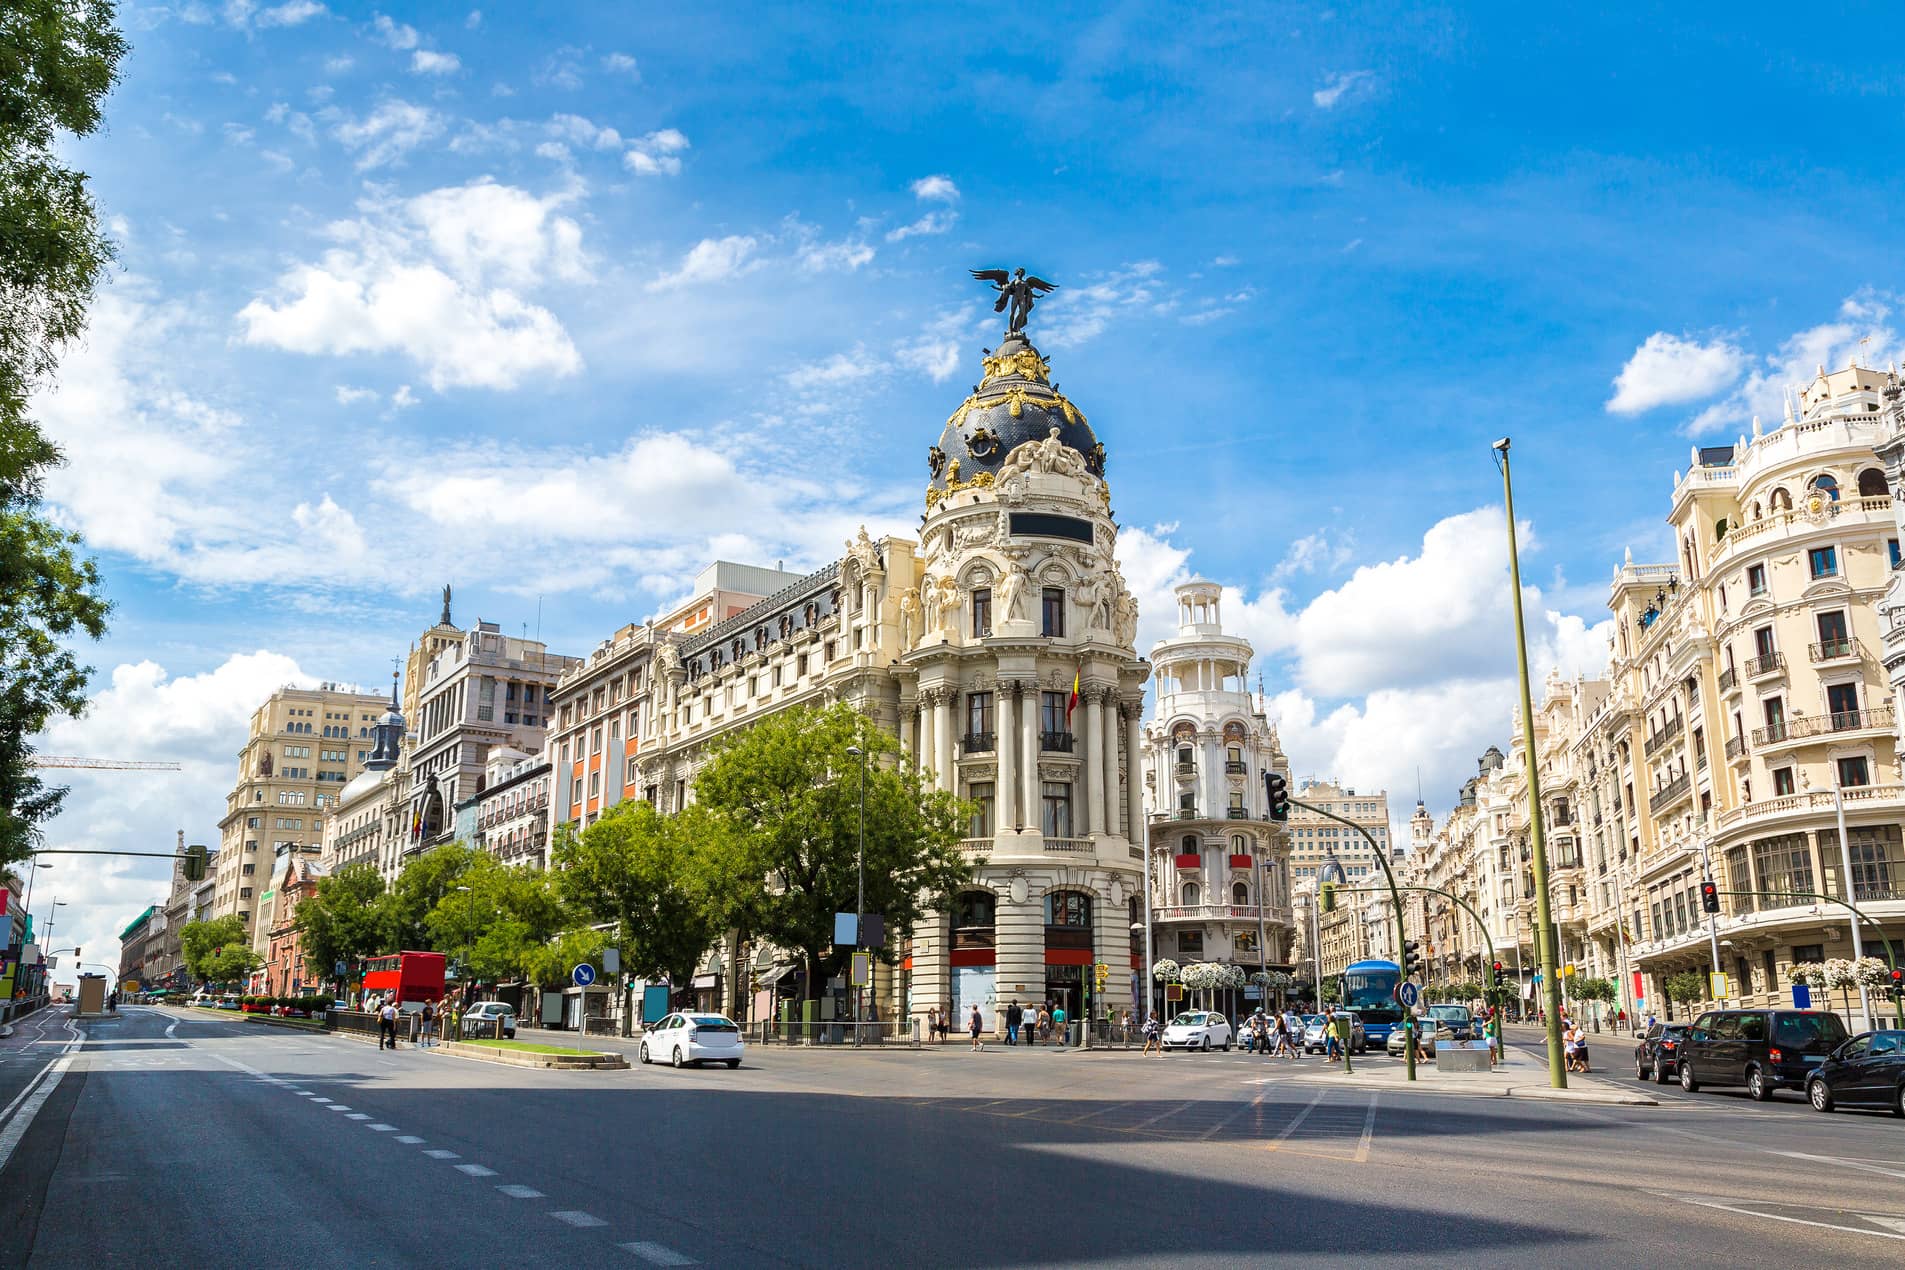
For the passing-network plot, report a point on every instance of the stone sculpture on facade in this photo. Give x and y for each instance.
(1016, 291)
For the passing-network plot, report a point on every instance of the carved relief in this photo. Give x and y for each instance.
(1047, 457)
(1056, 771)
(1014, 588)
(980, 771)
(909, 615)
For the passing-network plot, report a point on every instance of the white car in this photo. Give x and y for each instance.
(1197, 1029)
(480, 1019)
(693, 1038)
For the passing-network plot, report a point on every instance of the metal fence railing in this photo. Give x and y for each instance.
(900, 1032)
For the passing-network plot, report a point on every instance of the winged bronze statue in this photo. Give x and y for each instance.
(1016, 290)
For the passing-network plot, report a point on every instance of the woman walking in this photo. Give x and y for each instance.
(976, 1025)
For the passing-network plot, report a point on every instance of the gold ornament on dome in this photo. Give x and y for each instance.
(1025, 363)
(953, 484)
(1015, 399)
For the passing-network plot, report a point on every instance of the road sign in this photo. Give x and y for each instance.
(1716, 984)
(1408, 994)
(862, 969)
(846, 930)
(612, 960)
(583, 974)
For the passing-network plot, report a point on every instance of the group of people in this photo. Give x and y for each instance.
(1574, 1044)
(1276, 1034)
(429, 1016)
(1028, 1024)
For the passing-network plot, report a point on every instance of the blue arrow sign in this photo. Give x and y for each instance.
(1408, 994)
(584, 975)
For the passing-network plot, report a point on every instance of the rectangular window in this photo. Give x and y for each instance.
(595, 784)
(982, 612)
(1891, 550)
(1756, 579)
(1775, 710)
(1824, 561)
(1842, 703)
(1784, 865)
(595, 740)
(980, 792)
(529, 692)
(1191, 941)
(575, 791)
(1833, 639)
(1056, 800)
(1052, 611)
(1763, 641)
(1783, 785)
(978, 721)
(1854, 771)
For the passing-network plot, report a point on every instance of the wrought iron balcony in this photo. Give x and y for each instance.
(1058, 742)
(1801, 729)
(1833, 650)
(1670, 793)
(1736, 748)
(1234, 767)
(1237, 813)
(979, 742)
(1729, 679)
(1660, 738)
(1764, 665)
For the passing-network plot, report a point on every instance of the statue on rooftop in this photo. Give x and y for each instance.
(1015, 290)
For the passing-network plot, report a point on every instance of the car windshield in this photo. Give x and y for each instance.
(1188, 1020)
(709, 1020)
(1453, 1013)
(1810, 1031)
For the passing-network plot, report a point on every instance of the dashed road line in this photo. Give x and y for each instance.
(381, 1128)
(580, 1220)
(337, 1106)
(657, 1254)
(441, 1154)
(357, 1115)
(475, 1170)
(521, 1192)
(410, 1140)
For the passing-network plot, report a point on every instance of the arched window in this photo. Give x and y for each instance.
(1240, 894)
(1068, 908)
(1872, 484)
(1825, 485)
(1192, 895)
(1238, 844)
(1780, 501)
(1719, 529)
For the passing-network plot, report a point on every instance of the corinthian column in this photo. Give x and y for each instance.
(1088, 741)
(1109, 742)
(1007, 743)
(948, 769)
(1134, 783)
(1028, 756)
(928, 732)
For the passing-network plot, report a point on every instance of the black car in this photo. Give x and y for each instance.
(1764, 1050)
(1867, 1071)
(1657, 1051)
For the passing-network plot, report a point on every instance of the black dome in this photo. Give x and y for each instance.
(1013, 404)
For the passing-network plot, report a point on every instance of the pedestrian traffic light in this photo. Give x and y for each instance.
(1499, 976)
(1709, 897)
(1279, 791)
(1411, 958)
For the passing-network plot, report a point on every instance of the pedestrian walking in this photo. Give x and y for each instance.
(387, 1025)
(976, 1025)
(1058, 1024)
(1331, 1050)
(932, 1023)
(1014, 1016)
(1153, 1035)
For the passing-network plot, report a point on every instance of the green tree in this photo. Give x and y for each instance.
(1686, 987)
(780, 858)
(495, 927)
(552, 962)
(406, 907)
(343, 919)
(218, 951)
(638, 872)
(58, 59)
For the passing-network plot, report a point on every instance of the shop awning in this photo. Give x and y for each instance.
(769, 978)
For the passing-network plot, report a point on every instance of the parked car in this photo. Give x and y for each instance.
(682, 1039)
(480, 1019)
(1657, 1052)
(1428, 1031)
(1765, 1050)
(1458, 1019)
(1315, 1043)
(1197, 1030)
(1867, 1071)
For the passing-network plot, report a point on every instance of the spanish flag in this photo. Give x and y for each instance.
(1073, 703)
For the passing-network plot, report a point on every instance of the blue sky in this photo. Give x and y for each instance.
(556, 302)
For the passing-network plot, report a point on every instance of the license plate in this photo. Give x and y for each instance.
(1812, 1058)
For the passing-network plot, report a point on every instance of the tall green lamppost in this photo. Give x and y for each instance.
(1538, 841)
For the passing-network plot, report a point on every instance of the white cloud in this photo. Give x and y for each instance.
(395, 34)
(474, 20)
(1317, 552)
(1344, 84)
(1668, 370)
(349, 396)
(291, 13)
(403, 398)
(1860, 329)
(841, 368)
(930, 223)
(656, 154)
(1075, 314)
(582, 132)
(339, 64)
(710, 260)
(433, 279)
(936, 189)
(937, 349)
(621, 64)
(429, 62)
(389, 132)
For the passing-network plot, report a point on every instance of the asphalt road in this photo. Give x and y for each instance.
(177, 1138)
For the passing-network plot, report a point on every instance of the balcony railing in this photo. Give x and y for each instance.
(1856, 797)
(1736, 748)
(975, 846)
(1766, 664)
(1058, 742)
(1823, 725)
(1670, 793)
(1729, 679)
(1186, 768)
(1234, 767)
(1663, 736)
(1068, 846)
(979, 742)
(1833, 650)
(1237, 813)
(1205, 912)
(1184, 813)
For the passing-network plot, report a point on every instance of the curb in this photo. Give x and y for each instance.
(517, 1058)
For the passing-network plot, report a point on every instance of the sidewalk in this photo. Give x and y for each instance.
(1520, 1075)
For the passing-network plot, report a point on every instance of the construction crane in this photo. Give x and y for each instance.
(103, 764)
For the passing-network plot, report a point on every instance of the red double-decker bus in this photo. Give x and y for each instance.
(415, 977)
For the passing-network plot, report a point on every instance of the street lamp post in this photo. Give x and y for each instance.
(860, 903)
(469, 936)
(1545, 951)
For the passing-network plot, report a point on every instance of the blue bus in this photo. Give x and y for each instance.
(1369, 988)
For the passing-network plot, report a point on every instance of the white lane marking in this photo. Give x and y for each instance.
(318, 1100)
(1297, 1123)
(357, 1115)
(174, 1028)
(475, 1170)
(337, 1106)
(1797, 1221)
(521, 1192)
(68, 1046)
(380, 1128)
(1827, 1159)
(443, 1155)
(580, 1220)
(1369, 1130)
(657, 1254)
(410, 1140)
(23, 1119)
(302, 1093)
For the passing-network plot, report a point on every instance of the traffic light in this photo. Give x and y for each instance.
(1411, 958)
(195, 863)
(1279, 791)
(1329, 897)
(1898, 985)
(1499, 975)
(1709, 897)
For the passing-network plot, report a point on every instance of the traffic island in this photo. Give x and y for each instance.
(528, 1054)
(1518, 1075)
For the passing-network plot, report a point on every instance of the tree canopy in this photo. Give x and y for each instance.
(218, 951)
(641, 871)
(343, 919)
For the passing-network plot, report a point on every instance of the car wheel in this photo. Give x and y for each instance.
(733, 1063)
(1818, 1095)
(1898, 1101)
(1757, 1086)
(1207, 1043)
(1687, 1082)
(644, 1053)
(678, 1060)
(1226, 1047)
(1640, 1069)
(1660, 1071)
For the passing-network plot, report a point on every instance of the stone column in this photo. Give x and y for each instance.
(1020, 929)
(1028, 757)
(1134, 785)
(1108, 740)
(1087, 743)
(948, 768)
(928, 732)
(1213, 774)
(1007, 742)
(909, 729)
